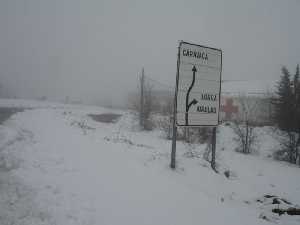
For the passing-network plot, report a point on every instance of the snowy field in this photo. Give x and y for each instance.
(60, 167)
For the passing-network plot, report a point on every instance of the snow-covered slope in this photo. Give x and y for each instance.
(58, 166)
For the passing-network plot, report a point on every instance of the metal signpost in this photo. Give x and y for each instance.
(198, 89)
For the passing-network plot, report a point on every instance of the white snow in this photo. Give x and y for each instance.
(54, 171)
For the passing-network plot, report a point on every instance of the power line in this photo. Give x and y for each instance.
(171, 88)
(159, 82)
(223, 81)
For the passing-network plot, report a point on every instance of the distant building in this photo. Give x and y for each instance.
(259, 106)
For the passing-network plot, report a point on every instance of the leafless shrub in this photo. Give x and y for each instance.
(288, 147)
(145, 106)
(207, 153)
(165, 124)
(243, 126)
(82, 125)
(204, 133)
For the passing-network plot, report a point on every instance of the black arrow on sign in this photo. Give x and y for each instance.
(193, 102)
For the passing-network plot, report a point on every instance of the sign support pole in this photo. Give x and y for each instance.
(174, 126)
(213, 149)
(173, 152)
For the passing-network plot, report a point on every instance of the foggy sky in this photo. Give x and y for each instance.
(93, 50)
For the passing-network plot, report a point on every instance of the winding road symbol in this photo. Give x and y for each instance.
(193, 102)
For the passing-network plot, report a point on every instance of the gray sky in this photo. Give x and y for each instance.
(92, 49)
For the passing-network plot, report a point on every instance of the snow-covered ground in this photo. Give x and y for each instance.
(58, 166)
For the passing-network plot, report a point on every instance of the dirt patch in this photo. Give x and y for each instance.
(5, 113)
(289, 211)
(279, 205)
(105, 117)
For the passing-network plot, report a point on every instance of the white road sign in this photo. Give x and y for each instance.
(198, 85)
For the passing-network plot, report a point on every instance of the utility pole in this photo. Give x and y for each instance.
(142, 80)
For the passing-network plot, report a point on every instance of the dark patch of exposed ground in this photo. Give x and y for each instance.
(6, 113)
(105, 117)
(280, 205)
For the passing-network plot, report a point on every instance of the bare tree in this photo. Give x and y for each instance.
(144, 103)
(243, 125)
(148, 107)
(165, 121)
